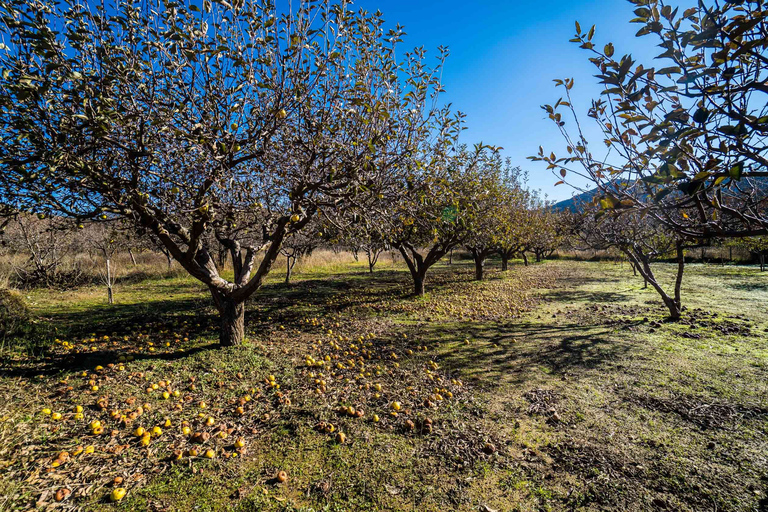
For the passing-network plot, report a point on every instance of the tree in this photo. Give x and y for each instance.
(364, 234)
(686, 142)
(642, 239)
(544, 228)
(434, 204)
(230, 125)
(757, 245)
(299, 245)
(513, 229)
(106, 239)
(44, 242)
(493, 180)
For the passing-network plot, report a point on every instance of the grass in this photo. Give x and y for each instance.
(561, 387)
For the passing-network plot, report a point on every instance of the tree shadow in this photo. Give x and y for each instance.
(197, 319)
(76, 362)
(518, 350)
(572, 295)
(749, 287)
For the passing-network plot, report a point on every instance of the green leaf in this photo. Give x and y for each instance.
(736, 171)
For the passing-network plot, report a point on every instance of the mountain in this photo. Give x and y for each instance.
(570, 204)
(760, 183)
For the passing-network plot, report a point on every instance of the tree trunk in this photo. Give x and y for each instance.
(525, 258)
(167, 255)
(679, 280)
(479, 261)
(290, 261)
(417, 268)
(110, 297)
(232, 322)
(643, 264)
(504, 262)
(450, 258)
(762, 262)
(133, 258)
(223, 257)
(373, 258)
(418, 283)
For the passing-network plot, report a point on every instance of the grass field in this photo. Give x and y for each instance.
(552, 387)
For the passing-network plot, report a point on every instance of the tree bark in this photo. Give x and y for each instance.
(479, 256)
(504, 262)
(479, 268)
(133, 258)
(525, 258)
(418, 284)
(168, 257)
(232, 322)
(418, 266)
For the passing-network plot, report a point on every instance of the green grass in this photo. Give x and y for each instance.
(591, 400)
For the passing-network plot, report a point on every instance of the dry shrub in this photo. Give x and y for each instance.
(14, 313)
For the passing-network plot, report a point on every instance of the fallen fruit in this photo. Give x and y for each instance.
(62, 494)
(117, 494)
(282, 476)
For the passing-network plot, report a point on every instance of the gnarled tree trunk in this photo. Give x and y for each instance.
(643, 264)
(290, 262)
(479, 255)
(232, 326)
(419, 265)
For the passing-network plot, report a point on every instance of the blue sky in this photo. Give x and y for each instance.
(504, 56)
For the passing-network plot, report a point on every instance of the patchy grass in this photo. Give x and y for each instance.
(553, 387)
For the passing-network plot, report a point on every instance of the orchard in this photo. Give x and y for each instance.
(254, 256)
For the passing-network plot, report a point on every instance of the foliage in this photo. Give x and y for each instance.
(686, 140)
(440, 203)
(234, 123)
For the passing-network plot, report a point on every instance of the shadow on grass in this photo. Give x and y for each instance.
(514, 353)
(570, 295)
(160, 317)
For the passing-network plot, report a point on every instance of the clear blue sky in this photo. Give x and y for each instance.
(504, 56)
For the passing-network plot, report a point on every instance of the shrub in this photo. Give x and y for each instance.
(14, 313)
